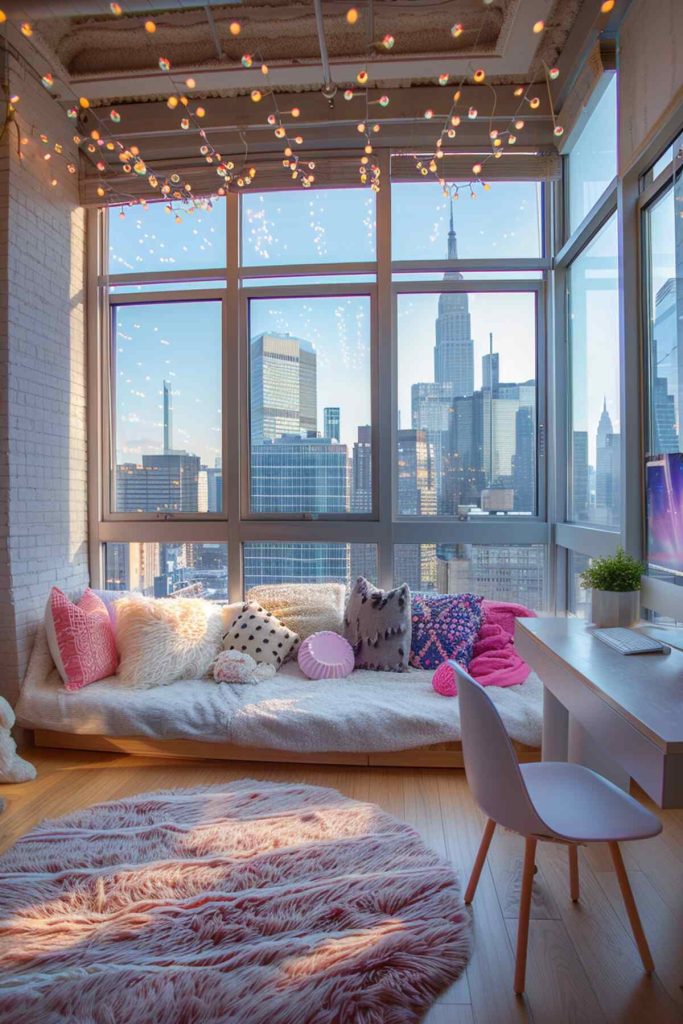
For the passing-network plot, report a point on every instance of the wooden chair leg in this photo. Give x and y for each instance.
(524, 912)
(631, 908)
(489, 829)
(573, 872)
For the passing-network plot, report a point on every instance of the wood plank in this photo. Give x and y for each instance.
(663, 926)
(557, 986)
(606, 950)
(505, 860)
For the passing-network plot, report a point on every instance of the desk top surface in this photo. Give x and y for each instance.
(646, 688)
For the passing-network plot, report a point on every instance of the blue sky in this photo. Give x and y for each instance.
(181, 342)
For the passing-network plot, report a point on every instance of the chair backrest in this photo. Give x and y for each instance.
(490, 763)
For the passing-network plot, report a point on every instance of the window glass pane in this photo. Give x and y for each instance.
(165, 286)
(593, 334)
(334, 225)
(311, 444)
(664, 302)
(150, 238)
(593, 156)
(293, 562)
(666, 158)
(578, 599)
(502, 572)
(421, 222)
(278, 282)
(467, 403)
(470, 275)
(168, 570)
(166, 396)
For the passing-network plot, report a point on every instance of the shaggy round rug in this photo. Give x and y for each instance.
(248, 903)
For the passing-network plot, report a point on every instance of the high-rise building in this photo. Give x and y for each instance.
(454, 350)
(464, 476)
(361, 471)
(505, 572)
(664, 432)
(283, 387)
(294, 562)
(607, 470)
(523, 462)
(431, 408)
(332, 423)
(580, 477)
(168, 418)
(295, 474)
(416, 474)
(490, 371)
(131, 567)
(163, 483)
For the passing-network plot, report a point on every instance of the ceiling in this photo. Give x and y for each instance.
(312, 56)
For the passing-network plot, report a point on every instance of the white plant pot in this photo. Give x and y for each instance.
(612, 608)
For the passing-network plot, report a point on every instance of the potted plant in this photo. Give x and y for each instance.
(615, 589)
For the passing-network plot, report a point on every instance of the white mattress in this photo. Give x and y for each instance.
(368, 711)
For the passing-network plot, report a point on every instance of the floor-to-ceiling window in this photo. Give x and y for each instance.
(588, 360)
(315, 384)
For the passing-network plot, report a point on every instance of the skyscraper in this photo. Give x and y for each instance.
(454, 351)
(607, 470)
(295, 474)
(490, 371)
(168, 418)
(163, 483)
(523, 469)
(580, 481)
(667, 372)
(283, 387)
(361, 471)
(416, 474)
(332, 423)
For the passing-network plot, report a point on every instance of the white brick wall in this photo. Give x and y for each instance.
(43, 492)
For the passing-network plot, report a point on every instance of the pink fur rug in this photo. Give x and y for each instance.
(248, 903)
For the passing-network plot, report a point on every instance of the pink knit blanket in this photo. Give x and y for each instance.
(496, 661)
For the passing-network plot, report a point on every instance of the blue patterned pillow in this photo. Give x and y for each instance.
(444, 626)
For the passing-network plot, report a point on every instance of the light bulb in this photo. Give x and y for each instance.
(558, 131)
(150, 27)
(456, 30)
(479, 76)
(534, 103)
(348, 94)
(235, 28)
(443, 79)
(472, 113)
(164, 64)
(388, 42)
(362, 77)
(476, 169)
(190, 83)
(256, 95)
(519, 125)
(538, 27)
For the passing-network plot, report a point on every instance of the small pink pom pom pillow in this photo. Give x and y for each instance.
(326, 655)
(444, 680)
(80, 638)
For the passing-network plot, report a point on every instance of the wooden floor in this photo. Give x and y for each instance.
(583, 965)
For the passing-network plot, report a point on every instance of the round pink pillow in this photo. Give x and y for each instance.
(444, 681)
(326, 655)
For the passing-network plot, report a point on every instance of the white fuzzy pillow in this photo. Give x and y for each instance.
(161, 640)
(306, 608)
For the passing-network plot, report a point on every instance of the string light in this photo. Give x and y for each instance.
(457, 30)
(607, 6)
(115, 116)
(554, 73)
(116, 9)
(443, 79)
(352, 16)
(247, 60)
(48, 80)
(235, 28)
(3, 17)
(362, 77)
(150, 27)
(84, 102)
(26, 29)
(164, 64)
(479, 76)
(383, 101)
(388, 42)
(534, 103)
(348, 94)
(256, 95)
(538, 27)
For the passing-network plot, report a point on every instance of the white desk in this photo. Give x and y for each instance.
(620, 715)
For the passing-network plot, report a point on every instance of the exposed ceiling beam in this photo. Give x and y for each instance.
(513, 60)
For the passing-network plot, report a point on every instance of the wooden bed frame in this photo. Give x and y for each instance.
(437, 755)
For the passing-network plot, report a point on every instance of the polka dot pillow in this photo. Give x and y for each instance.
(444, 626)
(257, 632)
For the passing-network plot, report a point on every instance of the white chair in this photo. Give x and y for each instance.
(551, 800)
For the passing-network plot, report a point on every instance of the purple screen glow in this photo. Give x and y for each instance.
(665, 512)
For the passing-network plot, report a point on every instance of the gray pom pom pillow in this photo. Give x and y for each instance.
(377, 624)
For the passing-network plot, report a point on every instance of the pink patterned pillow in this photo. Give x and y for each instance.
(80, 638)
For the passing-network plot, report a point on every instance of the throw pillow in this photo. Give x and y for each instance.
(377, 625)
(161, 640)
(80, 638)
(306, 608)
(444, 626)
(261, 635)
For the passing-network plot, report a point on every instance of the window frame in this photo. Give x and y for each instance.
(236, 525)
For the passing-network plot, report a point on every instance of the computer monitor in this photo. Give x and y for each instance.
(664, 492)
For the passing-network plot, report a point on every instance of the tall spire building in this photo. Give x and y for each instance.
(454, 350)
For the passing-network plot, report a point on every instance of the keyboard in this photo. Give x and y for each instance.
(628, 641)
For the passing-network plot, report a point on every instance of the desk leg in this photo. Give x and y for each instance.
(555, 744)
(583, 749)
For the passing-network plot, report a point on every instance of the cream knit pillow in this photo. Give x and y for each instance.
(161, 640)
(305, 608)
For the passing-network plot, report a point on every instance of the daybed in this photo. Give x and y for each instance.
(368, 718)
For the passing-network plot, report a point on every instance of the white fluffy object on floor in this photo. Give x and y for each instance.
(367, 711)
